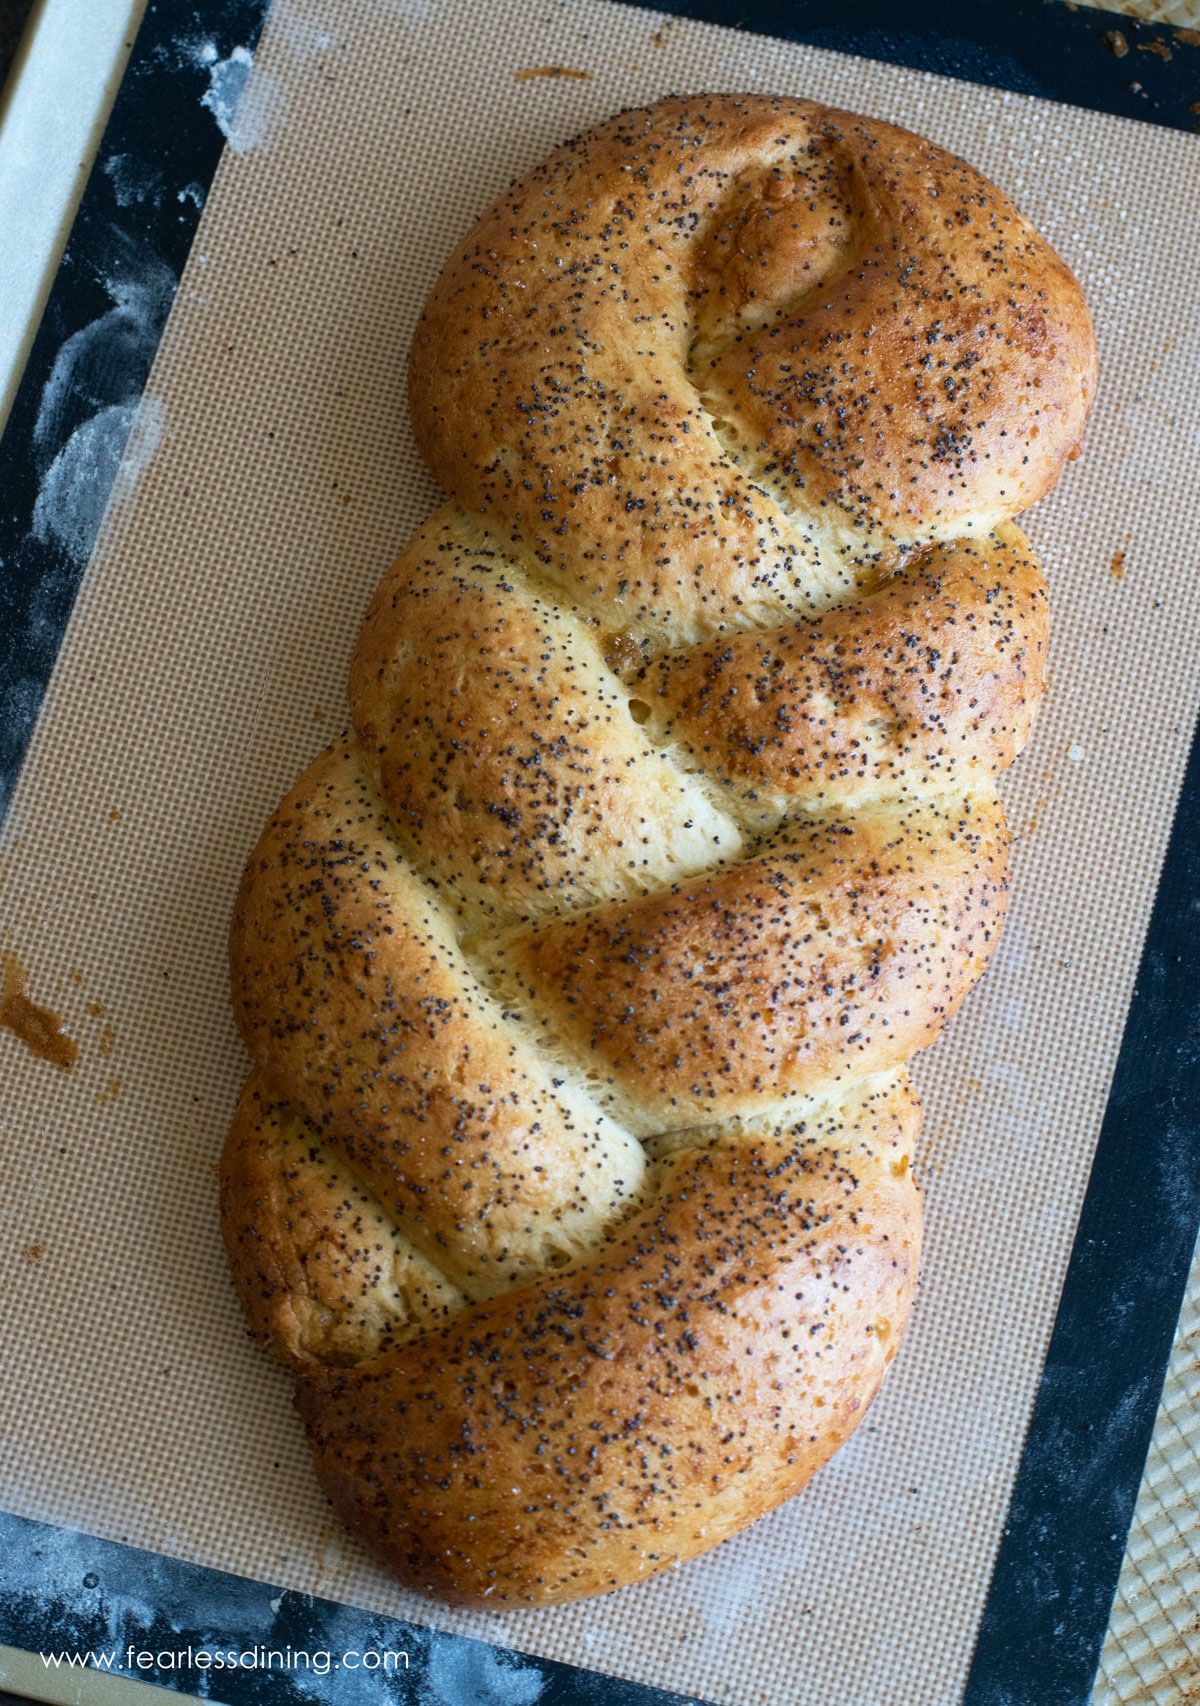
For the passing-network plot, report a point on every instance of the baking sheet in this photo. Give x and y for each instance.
(1151, 1656)
(269, 479)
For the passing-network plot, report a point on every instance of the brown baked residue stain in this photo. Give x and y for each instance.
(39, 1028)
(1035, 821)
(1115, 41)
(1117, 567)
(532, 71)
(111, 1093)
(108, 1036)
(1159, 49)
(34, 1253)
(1189, 38)
(114, 816)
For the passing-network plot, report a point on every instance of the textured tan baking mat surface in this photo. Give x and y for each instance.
(270, 479)
(1184, 14)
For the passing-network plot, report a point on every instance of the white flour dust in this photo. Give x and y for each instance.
(412, 11)
(134, 180)
(90, 403)
(246, 110)
(462, 1673)
(101, 461)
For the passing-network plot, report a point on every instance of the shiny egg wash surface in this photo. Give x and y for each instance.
(573, 1177)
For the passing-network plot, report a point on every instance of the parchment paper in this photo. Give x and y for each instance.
(270, 479)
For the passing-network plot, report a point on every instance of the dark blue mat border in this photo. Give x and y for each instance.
(1053, 49)
(1056, 1571)
(70, 1593)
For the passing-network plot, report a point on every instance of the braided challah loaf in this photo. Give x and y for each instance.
(573, 1178)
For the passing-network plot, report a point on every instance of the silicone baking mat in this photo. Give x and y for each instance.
(266, 477)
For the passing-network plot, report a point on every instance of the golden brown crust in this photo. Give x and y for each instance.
(322, 1270)
(666, 288)
(929, 681)
(522, 782)
(668, 814)
(836, 954)
(603, 1425)
(354, 998)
